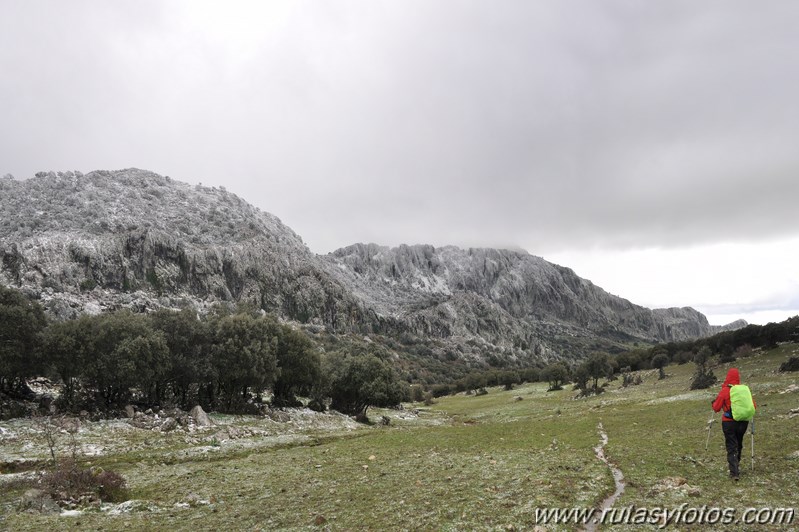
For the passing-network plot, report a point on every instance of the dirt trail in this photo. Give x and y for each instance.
(618, 478)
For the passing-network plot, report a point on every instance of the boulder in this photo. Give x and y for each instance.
(200, 417)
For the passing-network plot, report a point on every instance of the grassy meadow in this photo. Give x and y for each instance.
(464, 463)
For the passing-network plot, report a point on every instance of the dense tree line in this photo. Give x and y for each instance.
(728, 346)
(225, 361)
(481, 379)
(230, 361)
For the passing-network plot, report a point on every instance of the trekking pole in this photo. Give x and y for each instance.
(752, 432)
(709, 424)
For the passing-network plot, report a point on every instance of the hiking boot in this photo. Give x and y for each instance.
(735, 477)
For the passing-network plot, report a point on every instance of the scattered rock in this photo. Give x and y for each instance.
(133, 506)
(518, 398)
(37, 501)
(130, 411)
(278, 415)
(679, 484)
(169, 424)
(195, 500)
(200, 417)
(319, 520)
(790, 389)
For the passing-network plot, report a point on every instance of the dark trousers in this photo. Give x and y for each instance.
(734, 432)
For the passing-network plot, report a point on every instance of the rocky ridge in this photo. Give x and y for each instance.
(502, 295)
(135, 239)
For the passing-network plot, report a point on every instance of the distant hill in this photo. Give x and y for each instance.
(134, 239)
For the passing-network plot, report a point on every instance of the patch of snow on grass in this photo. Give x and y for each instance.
(698, 394)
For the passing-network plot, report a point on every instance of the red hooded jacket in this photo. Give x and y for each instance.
(722, 402)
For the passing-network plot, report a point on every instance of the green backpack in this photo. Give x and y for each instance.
(743, 407)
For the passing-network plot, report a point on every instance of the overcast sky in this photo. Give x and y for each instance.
(653, 147)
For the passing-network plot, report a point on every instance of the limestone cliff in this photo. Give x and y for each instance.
(135, 239)
(132, 238)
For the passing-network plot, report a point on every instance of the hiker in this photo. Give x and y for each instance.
(734, 431)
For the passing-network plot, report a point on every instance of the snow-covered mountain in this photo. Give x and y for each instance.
(134, 239)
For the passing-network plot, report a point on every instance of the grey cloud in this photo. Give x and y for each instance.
(787, 301)
(551, 125)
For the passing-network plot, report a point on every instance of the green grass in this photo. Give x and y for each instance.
(467, 462)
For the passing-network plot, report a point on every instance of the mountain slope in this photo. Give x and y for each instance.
(132, 238)
(135, 239)
(426, 285)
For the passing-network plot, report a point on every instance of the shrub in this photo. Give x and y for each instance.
(440, 390)
(417, 394)
(70, 481)
(589, 391)
(744, 351)
(317, 404)
(88, 285)
(629, 380)
(428, 399)
(727, 355)
(703, 378)
(702, 356)
(791, 365)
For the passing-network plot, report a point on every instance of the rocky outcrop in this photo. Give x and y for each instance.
(135, 239)
(498, 294)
